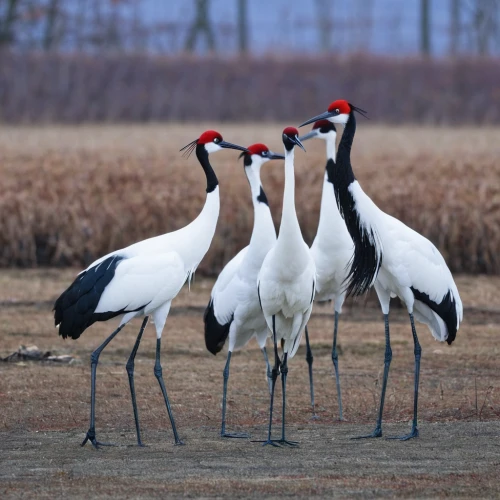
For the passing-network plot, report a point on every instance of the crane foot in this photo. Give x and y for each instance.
(406, 437)
(266, 442)
(91, 437)
(375, 434)
(289, 443)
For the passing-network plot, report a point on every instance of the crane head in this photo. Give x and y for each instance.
(259, 153)
(338, 112)
(322, 129)
(291, 139)
(211, 141)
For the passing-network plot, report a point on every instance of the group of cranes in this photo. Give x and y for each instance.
(268, 288)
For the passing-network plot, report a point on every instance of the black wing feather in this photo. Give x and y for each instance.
(215, 333)
(446, 310)
(74, 309)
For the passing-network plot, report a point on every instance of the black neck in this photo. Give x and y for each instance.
(344, 150)
(364, 264)
(340, 174)
(202, 155)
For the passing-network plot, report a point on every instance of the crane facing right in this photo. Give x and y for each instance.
(393, 258)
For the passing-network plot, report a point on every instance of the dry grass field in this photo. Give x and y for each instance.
(44, 406)
(71, 194)
(68, 195)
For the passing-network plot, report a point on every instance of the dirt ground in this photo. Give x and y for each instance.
(44, 406)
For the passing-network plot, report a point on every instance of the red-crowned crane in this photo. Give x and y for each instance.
(332, 250)
(142, 280)
(286, 283)
(234, 310)
(395, 259)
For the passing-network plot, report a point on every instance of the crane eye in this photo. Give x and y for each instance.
(264, 153)
(216, 140)
(337, 111)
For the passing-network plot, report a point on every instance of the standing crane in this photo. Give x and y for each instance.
(234, 310)
(286, 284)
(142, 280)
(393, 258)
(332, 250)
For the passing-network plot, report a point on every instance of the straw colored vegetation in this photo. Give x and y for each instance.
(44, 406)
(71, 194)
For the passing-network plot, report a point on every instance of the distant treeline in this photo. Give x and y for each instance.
(63, 88)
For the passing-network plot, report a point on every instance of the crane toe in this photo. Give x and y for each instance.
(271, 442)
(375, 434)
(293, 444)
(406, 437)
(90, 436)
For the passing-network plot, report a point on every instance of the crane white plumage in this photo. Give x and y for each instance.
(332, 250)
(286, 283)
(234, 310)
(142, 280)
(393, 258)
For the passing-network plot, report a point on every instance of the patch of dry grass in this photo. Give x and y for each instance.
(70, 195)
(45, 406)
(460, 382)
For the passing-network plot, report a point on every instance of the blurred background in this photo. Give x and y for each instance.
(387, 27)
(98, 96)
(425, 61)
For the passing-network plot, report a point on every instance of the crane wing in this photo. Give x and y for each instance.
(419, 265)
(143, 282)
(227, 274)
(417, 262)
(223, 302)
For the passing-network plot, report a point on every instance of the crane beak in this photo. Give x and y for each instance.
(275, 156)
(298, 143)
(310, 135)
(322, 116)
(228, 145)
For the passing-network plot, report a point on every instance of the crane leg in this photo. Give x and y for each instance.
(269, 372)
(417, 350)
(274, 376)
(225, 374)
(335, 359)
(94, 359)
(310, 359)
(159, 375)
(387, 363)
(130, 371)
(284, 373)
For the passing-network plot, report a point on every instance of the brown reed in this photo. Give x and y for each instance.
(70, 195)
